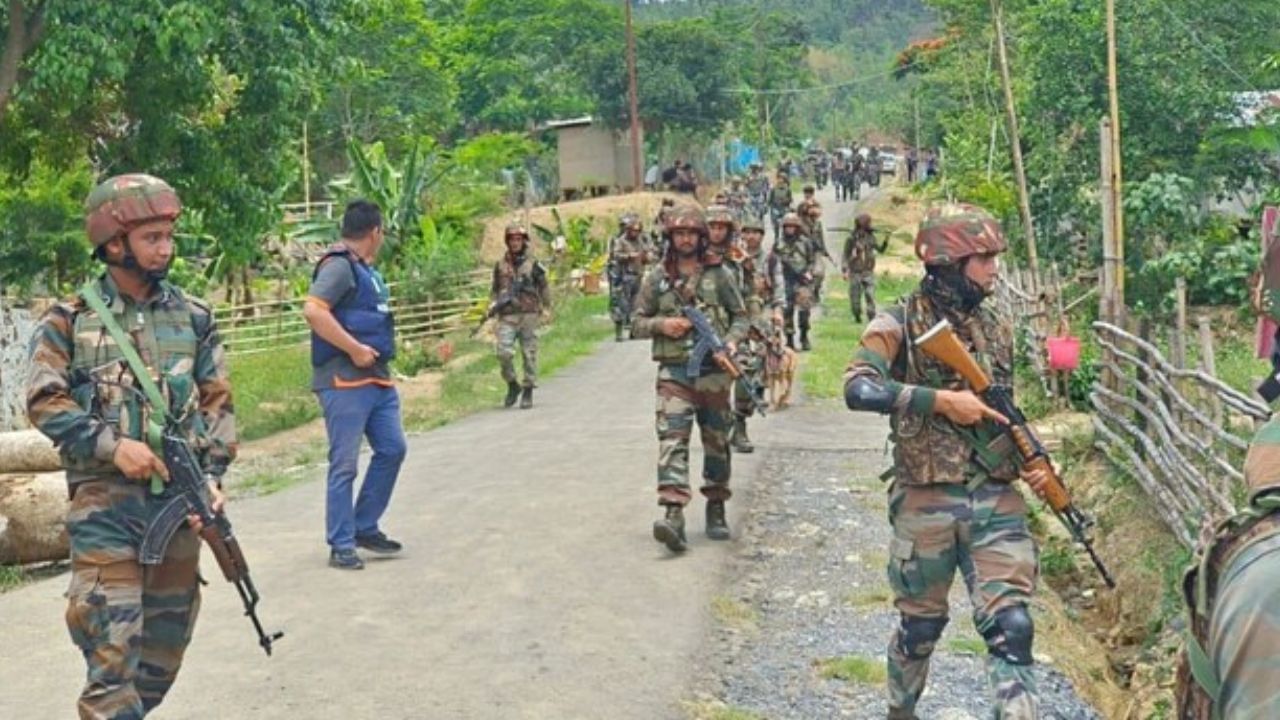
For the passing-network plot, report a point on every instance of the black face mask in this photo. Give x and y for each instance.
(948, 285)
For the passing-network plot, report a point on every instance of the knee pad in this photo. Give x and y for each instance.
(1010, 637)
(917, 635)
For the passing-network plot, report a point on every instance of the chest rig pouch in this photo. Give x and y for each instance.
(928, 448)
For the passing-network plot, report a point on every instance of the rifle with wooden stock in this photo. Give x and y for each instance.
(941, 344)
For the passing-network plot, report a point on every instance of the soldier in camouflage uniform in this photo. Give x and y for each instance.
(780, 200)
(626, 266)
(519, 296)
(951, 503)
(723, 249)
(763, 294)
(798, 258)
(858, 265)
(682, 278)
(1233, 592)
(131, 622)
(811, 216)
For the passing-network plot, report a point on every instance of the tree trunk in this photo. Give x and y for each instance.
(24, 32)
(33, 512)
(27, 451)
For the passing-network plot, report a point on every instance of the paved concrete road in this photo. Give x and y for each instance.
(530, 587)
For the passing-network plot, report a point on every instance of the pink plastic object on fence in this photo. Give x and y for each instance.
(1064, 353)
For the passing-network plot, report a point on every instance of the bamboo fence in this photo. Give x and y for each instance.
(1180, 432)
(272, 325)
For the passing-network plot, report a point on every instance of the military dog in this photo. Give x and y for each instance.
(779, 371)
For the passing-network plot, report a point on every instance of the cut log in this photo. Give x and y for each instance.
(27, 451)
(33, 513)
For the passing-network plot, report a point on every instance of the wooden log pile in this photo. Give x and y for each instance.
(33, 500)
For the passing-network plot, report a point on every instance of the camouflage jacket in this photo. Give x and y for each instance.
(628, 255)
(712, 289)
(1243, 540)
(780, 196)
(928, 448)
(859, 254)
(797, 255)
(766, 276)
(532, 294)
(82, 394)
(758, 186)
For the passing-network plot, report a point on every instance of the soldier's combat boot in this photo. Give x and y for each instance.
(617, 331)
(670, 529)
(526, 398)
(804, 341)
(900, 714)
(513, 392)
(717, 527)
(791, 341)
(741, 443)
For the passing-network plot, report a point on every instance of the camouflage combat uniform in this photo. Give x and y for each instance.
(131, 622)
(626, 267)
(764, 296)
(519, 319)
(682, 400)
(951, 504)
(859, 262)
(1233, 595)
(798, 258)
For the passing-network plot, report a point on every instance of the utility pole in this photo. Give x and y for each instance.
(306, 168)
(633, 99)
(1117, 175)
(1015, 145)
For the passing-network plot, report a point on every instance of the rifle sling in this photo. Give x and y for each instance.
(154, 431)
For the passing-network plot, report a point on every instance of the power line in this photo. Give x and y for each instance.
(819, 88)
(1207, 50)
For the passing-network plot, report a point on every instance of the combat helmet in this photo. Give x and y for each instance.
(628, 221)
(721, 214)
(515, 228)
(792, 219)
(686, 217)
(751, 222)
(124, 202)
(952, 232)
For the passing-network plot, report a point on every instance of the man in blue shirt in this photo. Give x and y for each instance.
(352, 342)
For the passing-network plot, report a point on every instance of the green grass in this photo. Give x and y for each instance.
(272, 391)
(836, 335)
(870, 598)
(967, 646)
(11, 577)
(716, 710)
(854, 668)
(734, 613)
(581, 322)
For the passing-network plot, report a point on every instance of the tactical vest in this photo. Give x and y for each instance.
(365, 314)
(1197, 681)
(622, 245)
(760, 285)
(862, 256)
(529, 299)
(166, 334)
(930, 449)
(704, 289)
(796, 256)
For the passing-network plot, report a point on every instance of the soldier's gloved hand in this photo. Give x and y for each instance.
(962, 407)
(676, 327)
(137, 462)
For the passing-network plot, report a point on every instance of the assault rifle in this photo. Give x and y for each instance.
(505, 298)
(709, 342)
(941, 343)
(191, 497)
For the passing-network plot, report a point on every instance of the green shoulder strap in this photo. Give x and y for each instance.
(154, 430)
(1202, 670)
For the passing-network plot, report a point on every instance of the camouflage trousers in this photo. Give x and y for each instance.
(862, 285)
(622, 297)
(131, 622)
(524, 328)
(682, 402)
(938, 529)
(1244, 633)
(750, 358)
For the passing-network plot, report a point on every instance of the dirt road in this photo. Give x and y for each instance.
(530, 588)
